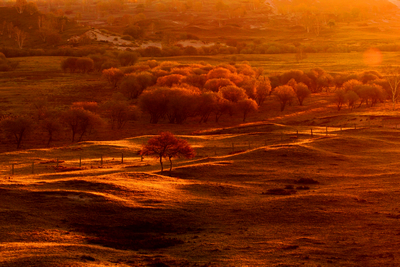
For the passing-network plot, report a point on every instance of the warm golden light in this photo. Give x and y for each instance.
(372, 56)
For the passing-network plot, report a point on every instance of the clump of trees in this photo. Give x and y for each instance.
(73, 64)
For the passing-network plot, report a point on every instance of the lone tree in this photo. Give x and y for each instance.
(17, 128)
(393, 78)
(166, 145)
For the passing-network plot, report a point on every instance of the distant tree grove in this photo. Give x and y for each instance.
(172, 92)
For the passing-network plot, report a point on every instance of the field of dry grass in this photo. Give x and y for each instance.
(262, 193)
(320, 201)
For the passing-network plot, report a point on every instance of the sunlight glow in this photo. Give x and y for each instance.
(372, 56)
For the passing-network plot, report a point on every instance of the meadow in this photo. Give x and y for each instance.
(261, 193)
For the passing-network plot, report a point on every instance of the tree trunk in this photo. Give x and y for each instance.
(170, 164)
(161, 163)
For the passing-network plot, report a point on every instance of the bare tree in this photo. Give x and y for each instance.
(10, 27)
(20, 37)
(20, 6)
(393, 78)
(3, 27)
(17, 128)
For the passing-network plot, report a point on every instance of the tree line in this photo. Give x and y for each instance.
(173, 92)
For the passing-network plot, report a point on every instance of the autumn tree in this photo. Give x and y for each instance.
(155, 103)
(119, 111)
(263, 89)
(132, 85)
(51, 125)
(215, 84)
(351, 84)
(302, 92)
(181, 103)
(113, 76)
(219, 72)
(170, 80)
(166, 145)
(284, 93)
(206, 105)
(351, 98)
(80, 121)
(233, 93)
(339, 98)
(17, 128)
(246, 106)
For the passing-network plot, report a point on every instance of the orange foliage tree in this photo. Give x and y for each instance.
(166, 145)
(113, 76)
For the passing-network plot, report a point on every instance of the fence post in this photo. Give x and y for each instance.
(12, 169)
(340, 128)
(122, 158)
(80, 161)
(326, 130)
(33, 167)
(312, 133)
(57, 163)
(297, 134)
(355, 126)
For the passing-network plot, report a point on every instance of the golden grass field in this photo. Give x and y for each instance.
(313, 201)
(263, 193)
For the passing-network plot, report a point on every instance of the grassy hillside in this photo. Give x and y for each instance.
(316, 201)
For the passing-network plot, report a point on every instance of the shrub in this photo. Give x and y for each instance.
(127, 58)
(84, 64)
(218, 73)
(69, 64)
(113, 76)
(170, 80)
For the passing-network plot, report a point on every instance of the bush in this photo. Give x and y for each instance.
(135, 31)
(69, 64)
(84, 64)
(127, 58)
